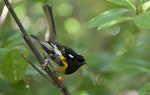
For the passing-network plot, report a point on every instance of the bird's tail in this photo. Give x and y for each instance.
(51, 33)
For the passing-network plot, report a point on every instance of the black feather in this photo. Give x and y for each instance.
(36, 38)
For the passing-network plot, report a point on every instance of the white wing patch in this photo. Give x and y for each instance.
(56, 50)
(71, 56)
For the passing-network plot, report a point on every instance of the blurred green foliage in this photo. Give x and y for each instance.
(117, 52)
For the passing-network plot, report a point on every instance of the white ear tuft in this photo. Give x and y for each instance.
(71, 56)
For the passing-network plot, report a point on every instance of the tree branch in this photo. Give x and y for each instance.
(27, 39)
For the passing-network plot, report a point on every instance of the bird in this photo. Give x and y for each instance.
(62, 59)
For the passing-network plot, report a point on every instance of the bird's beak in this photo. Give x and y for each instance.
(84, 62)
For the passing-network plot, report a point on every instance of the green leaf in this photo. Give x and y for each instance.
(146, 6)
(106, 18)
(133, 3)
(16, 39)
(12, 65)
(145, 90)
(131, 66)
(119, 2)
(116, 21)
(13, 40)
(19, 88)
(142, 20)
(127, 3)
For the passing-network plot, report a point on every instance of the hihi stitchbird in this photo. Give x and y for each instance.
(62, 59)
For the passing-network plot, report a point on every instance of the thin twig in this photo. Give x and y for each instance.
(46, 77)
(35, 51)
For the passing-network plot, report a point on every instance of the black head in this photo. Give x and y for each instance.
(74, 60)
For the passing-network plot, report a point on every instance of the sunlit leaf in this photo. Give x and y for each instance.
(133, 3)
(142, 20)
(127, 3)
(146, 6)
(116, 21)
(106, 18)
(119, 2)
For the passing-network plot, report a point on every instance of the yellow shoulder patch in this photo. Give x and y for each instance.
(64, 61)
